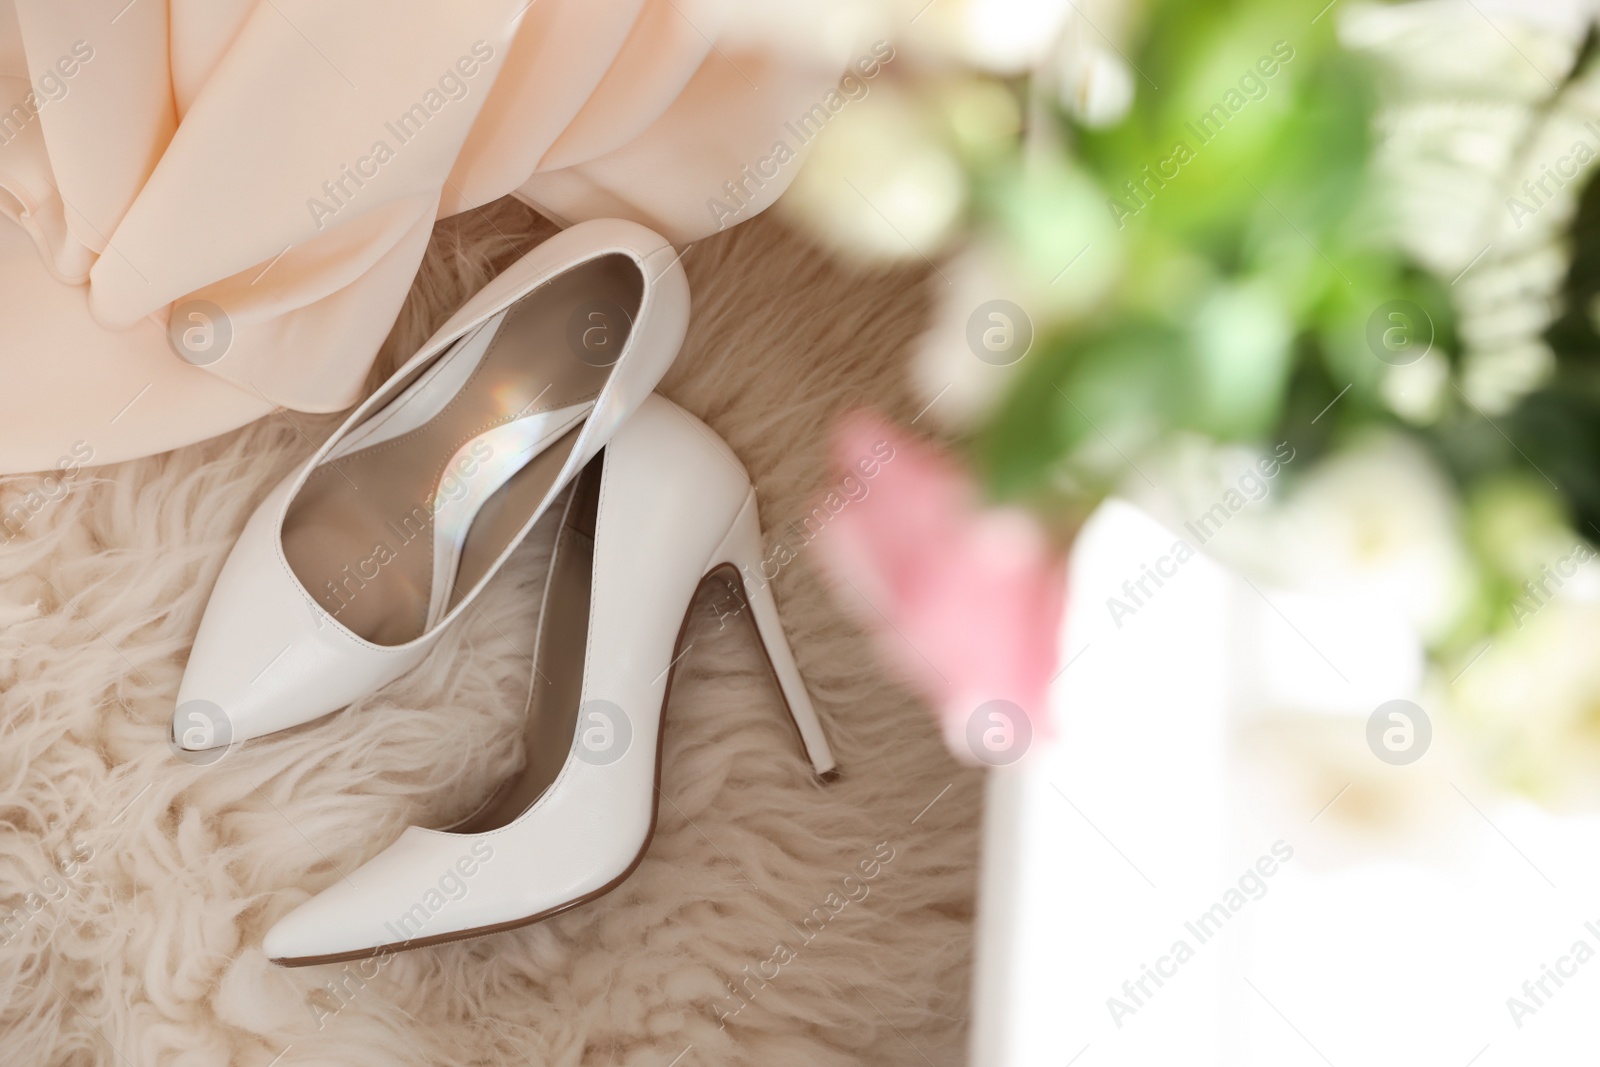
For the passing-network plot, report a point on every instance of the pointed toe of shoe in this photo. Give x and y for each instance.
(254, 669)
(266, 656)
(341, 922)
(301, 938)
(297, 940)
(414, 893)
(255, 672)
(217, 706)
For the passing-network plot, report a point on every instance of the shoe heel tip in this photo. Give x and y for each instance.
(829, 777)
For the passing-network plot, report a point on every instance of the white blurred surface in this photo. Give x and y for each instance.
(1219, 718)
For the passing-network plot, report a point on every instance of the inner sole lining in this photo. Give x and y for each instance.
(359, 535)
(560, 656)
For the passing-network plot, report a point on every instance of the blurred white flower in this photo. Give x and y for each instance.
(996, 304)
(1006, 37)
(1534, 700)
(1496, 380)
(880, 182)
(1416, 391)
(958, 385)
(1519, 527)
(984, 115)
(1000, 37)
(1379, 521)
(1092, 81)
(1297, 761)
(1505, 304)
(1481, 161)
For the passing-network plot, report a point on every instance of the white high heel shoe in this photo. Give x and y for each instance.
(663, 509)
(351, 568)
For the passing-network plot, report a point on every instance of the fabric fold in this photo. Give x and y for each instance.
(275, 168)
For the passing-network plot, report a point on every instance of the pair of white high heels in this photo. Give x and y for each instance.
(536, 395)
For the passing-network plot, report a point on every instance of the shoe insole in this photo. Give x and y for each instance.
(361, 532)
(559, 658)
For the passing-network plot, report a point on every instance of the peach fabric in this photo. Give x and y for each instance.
(284, 161)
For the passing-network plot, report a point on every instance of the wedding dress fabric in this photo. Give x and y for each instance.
(214, 208)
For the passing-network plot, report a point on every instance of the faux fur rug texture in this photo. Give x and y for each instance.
(135, 887)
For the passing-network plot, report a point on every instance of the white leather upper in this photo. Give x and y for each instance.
(510, 446)
(434, 389)
(670, 492)
(267, 656)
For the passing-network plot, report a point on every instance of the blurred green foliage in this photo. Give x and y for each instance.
(1556, 429)
(1251, 261)
(1253, 267)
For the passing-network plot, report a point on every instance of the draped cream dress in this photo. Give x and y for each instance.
(213, 208)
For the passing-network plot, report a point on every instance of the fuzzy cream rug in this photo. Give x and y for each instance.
(135, 887)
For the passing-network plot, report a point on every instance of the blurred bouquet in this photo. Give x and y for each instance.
(1167, 234)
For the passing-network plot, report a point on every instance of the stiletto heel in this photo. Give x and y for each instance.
(663, 509)
(738, 561)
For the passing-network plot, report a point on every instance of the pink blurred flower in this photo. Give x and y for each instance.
(965, 601)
